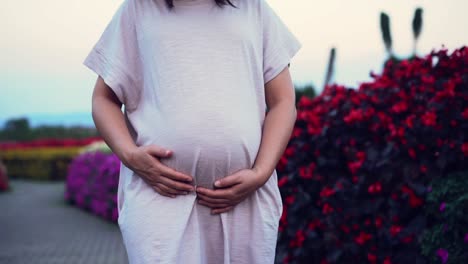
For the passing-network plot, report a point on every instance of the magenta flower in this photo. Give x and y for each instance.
(442, 206)
(442, 253)
(466, 238)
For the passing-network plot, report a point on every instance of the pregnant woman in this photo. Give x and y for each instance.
(196, 78)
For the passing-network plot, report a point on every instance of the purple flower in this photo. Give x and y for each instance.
(442, 253)
(429, 189)
(442, 206)
(466, 238)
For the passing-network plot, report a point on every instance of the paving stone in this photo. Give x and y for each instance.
(37, 226)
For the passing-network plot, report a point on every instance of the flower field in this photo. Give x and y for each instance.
(45, 159)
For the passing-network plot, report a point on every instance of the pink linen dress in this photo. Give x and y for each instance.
(192, 79)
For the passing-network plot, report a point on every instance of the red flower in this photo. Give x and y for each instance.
(290, 199)
(429, 119)
(464, 148)
(354, 166)
(307, 172)
(327, 208)
(399, 107)
(415, 201)
(345, 228)
(409, 121)
(355, 115)
(378, 221)
(395, 230)
(305, 101)
(465, 113)
(371, 257)
(290, 151)
(314, 224)
(327, 192)
(282, 181)
(375, 188)
(362, 238)
(407, 239)
(387, 260)
(412, 153)
(423, 168)
(296, 132)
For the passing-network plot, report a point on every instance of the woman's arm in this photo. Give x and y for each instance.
(278, 125)
(110, 122)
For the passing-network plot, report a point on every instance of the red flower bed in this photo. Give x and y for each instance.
(50, 142)
(355, 174)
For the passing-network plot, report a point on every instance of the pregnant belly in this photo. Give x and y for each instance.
(209, 148)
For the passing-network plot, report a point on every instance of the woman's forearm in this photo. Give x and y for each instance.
(110, 123)
(278, 126)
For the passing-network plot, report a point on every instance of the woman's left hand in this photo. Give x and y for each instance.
(230, 190)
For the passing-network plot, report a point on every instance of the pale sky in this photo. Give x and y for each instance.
(45, 42)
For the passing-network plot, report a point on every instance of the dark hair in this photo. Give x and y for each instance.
(170, 3)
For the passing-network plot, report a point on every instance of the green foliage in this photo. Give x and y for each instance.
(447, 211)
(307, 90)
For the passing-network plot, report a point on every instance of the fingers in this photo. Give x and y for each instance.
(160, 191)
(167, 191)
(173, 174)
(216, 194)
(158, 151)
(175, 184)
(212, 200)
(228, 181)
(154, 150)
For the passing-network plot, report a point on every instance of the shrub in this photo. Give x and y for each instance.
(92, 183)
(354, 176)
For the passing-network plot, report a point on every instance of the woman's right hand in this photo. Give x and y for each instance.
(164, 180)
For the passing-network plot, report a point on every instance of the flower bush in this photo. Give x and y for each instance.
(355, 175)
(92, 182)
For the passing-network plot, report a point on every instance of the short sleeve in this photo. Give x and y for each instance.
(279, 43)
(115, 56)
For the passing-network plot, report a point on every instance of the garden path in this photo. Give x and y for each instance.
(38, 226)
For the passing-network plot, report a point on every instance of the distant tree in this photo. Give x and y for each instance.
(17, 128)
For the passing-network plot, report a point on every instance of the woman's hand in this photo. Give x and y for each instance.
(164, 180)
(230, 191)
